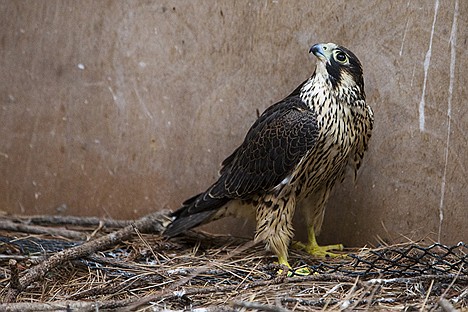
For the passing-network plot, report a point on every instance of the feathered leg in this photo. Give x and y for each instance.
(314, 209)
(274, 226)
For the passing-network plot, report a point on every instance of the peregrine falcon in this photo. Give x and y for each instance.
(291, 157)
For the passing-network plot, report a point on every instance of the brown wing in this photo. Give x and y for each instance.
(272, 148)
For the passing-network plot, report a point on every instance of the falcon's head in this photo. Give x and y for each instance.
(339, 65)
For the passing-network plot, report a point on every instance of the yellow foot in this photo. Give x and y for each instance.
(302, 272)
(320, 251)
(292, 272)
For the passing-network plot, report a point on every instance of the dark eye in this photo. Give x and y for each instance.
(341, 57)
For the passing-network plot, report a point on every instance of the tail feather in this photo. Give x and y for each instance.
(182, 224)
(195, 211)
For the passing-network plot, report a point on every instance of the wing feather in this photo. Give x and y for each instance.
(271, 150)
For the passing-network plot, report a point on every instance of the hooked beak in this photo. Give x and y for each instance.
(321, 51)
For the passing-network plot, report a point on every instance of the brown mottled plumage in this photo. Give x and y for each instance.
(291, 157)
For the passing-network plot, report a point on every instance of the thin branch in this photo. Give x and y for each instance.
(65, 306)
(14, 275)
(259, 306)
(35, 229)
(72, 220)
(446, 305)
(449, 277)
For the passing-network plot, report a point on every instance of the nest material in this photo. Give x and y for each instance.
(217, 273)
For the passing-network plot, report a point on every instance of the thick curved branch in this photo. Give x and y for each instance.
(151, 223)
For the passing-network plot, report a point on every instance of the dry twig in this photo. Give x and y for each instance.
(259, 306)
(7, 225)
(72, 220)
(211, 272)
(446, 305)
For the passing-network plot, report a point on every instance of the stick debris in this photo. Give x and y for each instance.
(128, 269)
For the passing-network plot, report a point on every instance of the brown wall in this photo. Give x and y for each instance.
(115, 109)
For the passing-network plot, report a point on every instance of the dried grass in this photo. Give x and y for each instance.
(216, 273)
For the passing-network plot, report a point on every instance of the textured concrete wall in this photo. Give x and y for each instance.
(116, 109)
